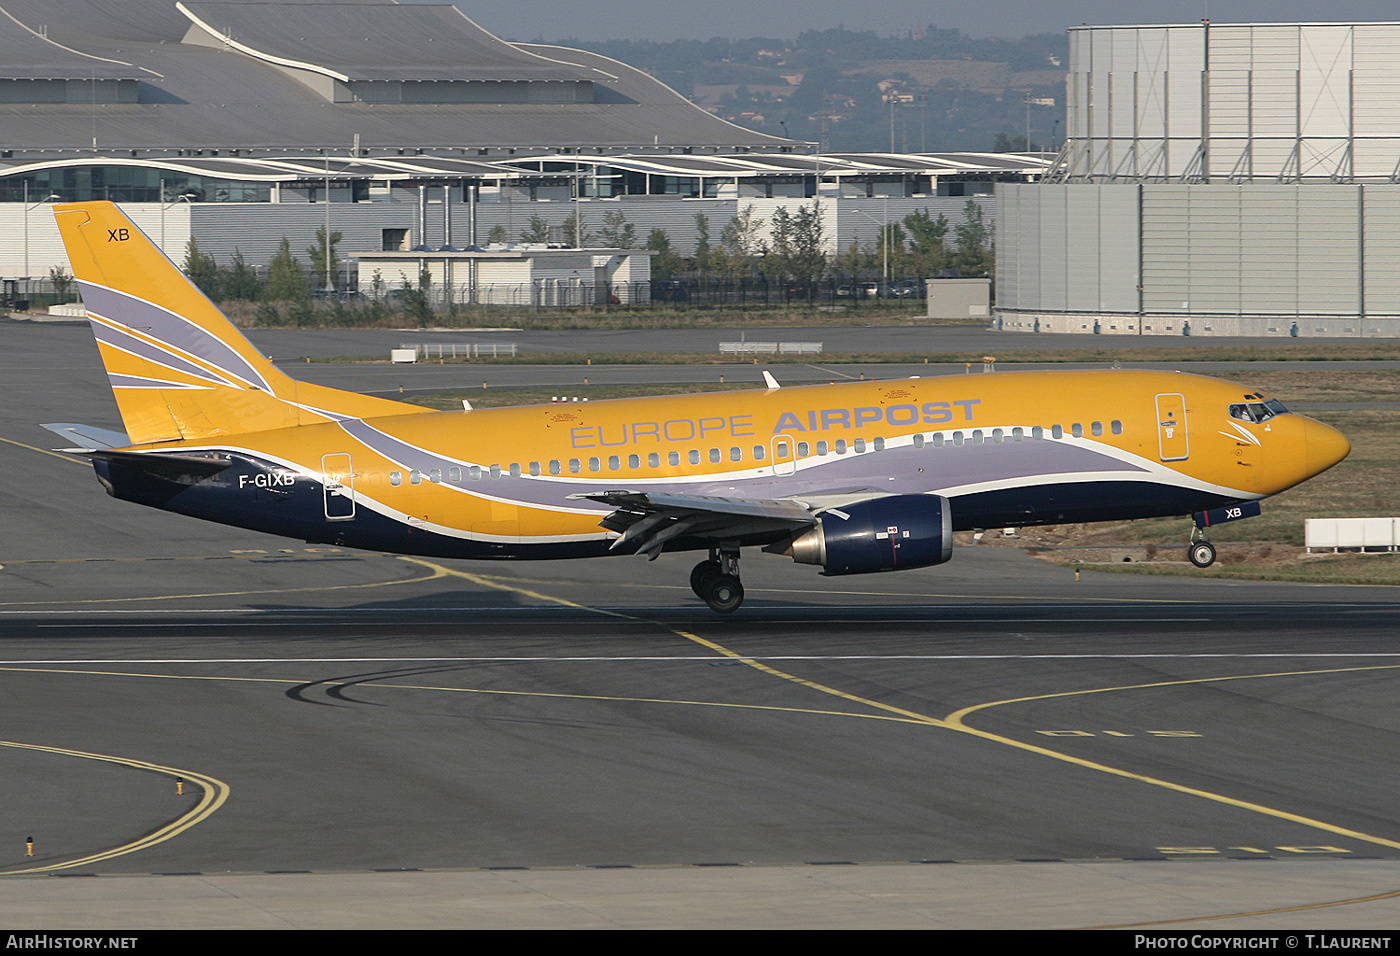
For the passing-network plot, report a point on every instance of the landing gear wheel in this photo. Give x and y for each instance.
(723, 593)
(700, 575)
(1202, 554)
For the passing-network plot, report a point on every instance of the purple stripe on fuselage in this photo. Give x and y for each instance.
(169, 327)
(151, 353)
(947, 467)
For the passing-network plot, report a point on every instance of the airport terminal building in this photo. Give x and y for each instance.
(1237, 179)
(403, 126)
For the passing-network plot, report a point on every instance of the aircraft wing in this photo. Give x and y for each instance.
(649, 519)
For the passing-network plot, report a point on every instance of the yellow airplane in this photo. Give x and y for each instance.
(854, 478)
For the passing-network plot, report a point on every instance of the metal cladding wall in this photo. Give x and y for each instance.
(1200, 259)
(1238, 179)
(1306, 101)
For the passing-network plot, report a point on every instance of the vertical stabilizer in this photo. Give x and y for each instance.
(178, 367)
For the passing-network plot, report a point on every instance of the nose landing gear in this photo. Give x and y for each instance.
(1200, 552)
(716, 580)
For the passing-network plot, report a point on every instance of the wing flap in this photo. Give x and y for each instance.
(648, 520)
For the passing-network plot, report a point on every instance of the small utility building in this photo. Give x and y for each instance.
(538, 276)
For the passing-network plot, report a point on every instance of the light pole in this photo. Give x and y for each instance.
(886, 235)
(27, 208)
(183, 197)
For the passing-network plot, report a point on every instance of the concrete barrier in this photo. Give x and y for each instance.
(1360, 534)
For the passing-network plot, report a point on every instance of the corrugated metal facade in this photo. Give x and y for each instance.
(1233, 179)
(1217, 258)
(1240, 102)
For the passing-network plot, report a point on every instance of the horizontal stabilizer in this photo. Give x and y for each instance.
(88, 437)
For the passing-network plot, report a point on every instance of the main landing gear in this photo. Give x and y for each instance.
(1201, 552)
(716, 580)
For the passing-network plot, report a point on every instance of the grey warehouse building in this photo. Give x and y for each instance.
(1225, 179)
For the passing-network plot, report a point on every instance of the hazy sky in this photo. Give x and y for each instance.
(784, 19)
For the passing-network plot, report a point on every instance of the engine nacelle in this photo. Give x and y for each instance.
(882, 534)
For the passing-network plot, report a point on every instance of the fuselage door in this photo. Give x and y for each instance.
(784, 456)
(338, 482)
(1172, 441)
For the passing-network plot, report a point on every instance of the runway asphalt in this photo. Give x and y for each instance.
(370, 741)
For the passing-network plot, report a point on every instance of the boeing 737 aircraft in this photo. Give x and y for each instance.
(852, 478)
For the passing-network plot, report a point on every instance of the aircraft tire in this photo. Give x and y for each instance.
(700, 574)
(724, 593)
(1202, 554)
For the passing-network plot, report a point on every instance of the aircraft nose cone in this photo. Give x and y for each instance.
(1325, 445)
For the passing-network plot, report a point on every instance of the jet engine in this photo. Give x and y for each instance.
(881, 534)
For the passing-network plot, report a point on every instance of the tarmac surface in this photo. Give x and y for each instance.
(366, 740)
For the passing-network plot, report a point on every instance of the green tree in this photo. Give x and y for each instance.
(617, 232)
(704, 254)
(497, 234)
(740, 241)
(202, 270)
(926, 236)
(974, 243)
(241, 280)
(61, 282)
(538, 230)
(285, 280)
(572, 237)
(777, 261)
(317, 253)
(665, 264)
(809, 260)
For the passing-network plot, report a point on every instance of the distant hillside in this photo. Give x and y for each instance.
(931, 90)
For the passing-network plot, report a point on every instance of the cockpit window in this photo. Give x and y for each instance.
(1257, 411)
